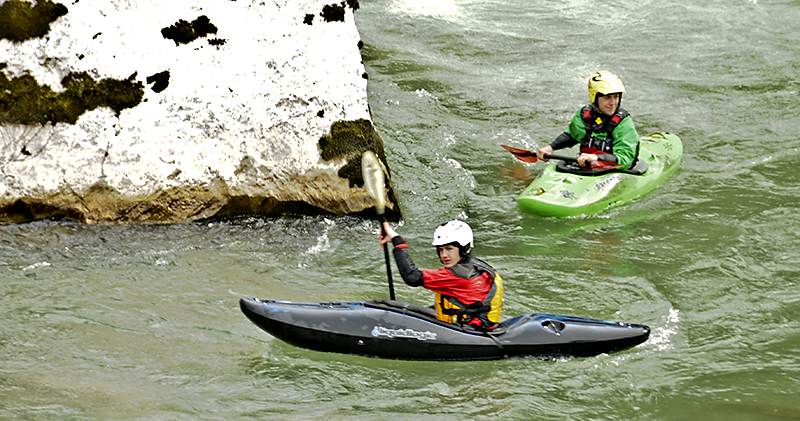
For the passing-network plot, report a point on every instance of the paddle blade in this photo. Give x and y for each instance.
(372, 170)
(522, 154)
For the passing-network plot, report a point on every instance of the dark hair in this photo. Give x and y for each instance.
(598, 95)
(463, 251)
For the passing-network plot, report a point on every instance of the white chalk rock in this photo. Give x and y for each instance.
(235, 128)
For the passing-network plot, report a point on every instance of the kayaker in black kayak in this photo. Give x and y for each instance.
(468, 290)
(604, 130)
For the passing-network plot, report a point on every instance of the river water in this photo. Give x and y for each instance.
(142, 322)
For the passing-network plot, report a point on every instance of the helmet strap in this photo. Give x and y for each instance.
(464, 251)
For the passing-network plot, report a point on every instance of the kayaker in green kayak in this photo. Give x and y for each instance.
(604, 130)
(468, 290)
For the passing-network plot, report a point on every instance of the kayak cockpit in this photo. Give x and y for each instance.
(570, 167)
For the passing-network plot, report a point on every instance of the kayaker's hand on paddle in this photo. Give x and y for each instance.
(586, 158)
(545, 150)
(386, 234)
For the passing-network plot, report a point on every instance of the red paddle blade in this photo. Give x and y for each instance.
(604, 165)
(522, 154)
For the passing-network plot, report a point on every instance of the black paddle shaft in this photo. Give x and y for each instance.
(388, 265)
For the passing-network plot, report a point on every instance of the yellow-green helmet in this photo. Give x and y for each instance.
(604, 83)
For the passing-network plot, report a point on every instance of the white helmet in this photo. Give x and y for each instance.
(453, 232)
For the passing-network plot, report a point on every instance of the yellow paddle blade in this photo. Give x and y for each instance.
(372, 171)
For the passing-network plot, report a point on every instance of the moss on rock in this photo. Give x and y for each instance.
(183, 32)
(21, 20)
(24, 101)
(333, 12)
(159, 80)
(348, 140)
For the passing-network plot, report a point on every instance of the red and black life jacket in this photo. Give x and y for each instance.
(483, 311)
(484, 314)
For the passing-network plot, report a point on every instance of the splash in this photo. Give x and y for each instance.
(661, 338)
(36, 266)
(323, 241)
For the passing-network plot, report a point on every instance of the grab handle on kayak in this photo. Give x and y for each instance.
(649, 137)
(553, 326)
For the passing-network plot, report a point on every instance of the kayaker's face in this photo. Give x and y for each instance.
(449, 255)
(607, 104)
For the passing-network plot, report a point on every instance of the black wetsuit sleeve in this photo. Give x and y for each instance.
(564, 140)
(608, 157)
(408, 271)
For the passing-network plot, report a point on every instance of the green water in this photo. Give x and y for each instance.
(142, 322)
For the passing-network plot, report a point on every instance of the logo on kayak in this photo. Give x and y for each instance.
(608, 182)
(380, 331)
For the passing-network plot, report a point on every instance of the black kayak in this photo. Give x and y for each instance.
(406, 331)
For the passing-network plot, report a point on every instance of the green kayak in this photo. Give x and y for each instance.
(564, 189)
